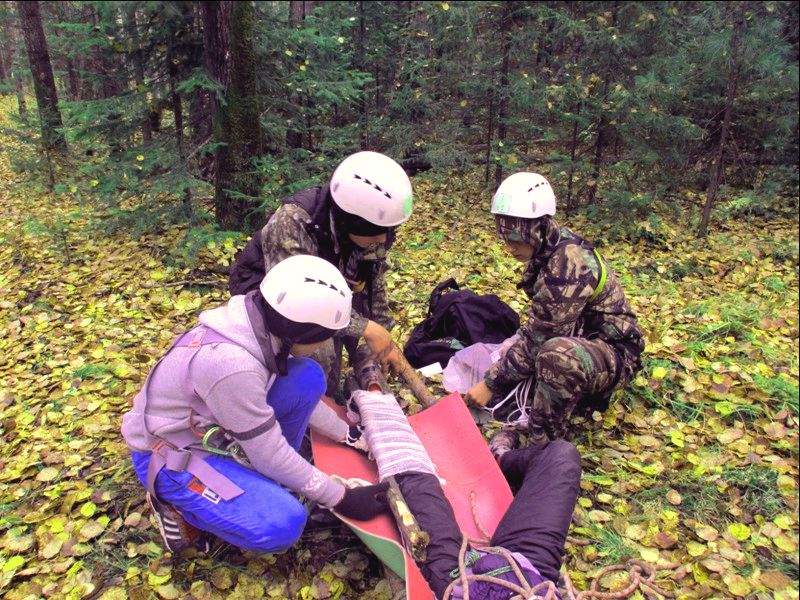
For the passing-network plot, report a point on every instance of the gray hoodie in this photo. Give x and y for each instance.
(226, 384)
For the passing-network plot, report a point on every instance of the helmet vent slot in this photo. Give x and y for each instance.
(325, 283)
(374, 185)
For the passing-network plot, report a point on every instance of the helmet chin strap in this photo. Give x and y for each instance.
(282, 358)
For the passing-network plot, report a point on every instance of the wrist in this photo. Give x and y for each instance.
(358, 325)
(328, 493)
(336, 497)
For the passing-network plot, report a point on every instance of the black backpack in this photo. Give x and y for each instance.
(456, 320)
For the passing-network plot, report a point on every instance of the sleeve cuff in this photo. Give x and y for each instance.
(323, 489)
(356, 327)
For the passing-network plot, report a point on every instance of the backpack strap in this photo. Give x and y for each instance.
(601, 282)
(436, 294)
(603, 275)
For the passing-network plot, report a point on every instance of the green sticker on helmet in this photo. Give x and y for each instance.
(500, 203)
(407, 204)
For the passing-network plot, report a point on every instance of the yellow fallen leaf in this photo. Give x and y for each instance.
(51, 548)
(168, 592)
(695, 548)
(91, 530)
(599, 516)
(659, 373)
(88, 509)
(649, 554)
(159, 578)
(737, 585)
(634, 531)
(786, 543)
(730, 435)
(13, 563)
(47, 474)
(784, 521)
(739, 530)
(115, 593)
(786, 483)
(706, 532)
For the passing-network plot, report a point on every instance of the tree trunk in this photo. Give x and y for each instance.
(228, 31)
(502, 109)
(42, 72)
(16, 76)
(19, 87)
(73, 83)
(733, 86)
(602, 124)
(177, 110)
(489, 135)
(572, 153)
(105, 67)
(599, 144)
(138, 63)
(363, 118)
(70, 82)
(3, 75)
(294, 136)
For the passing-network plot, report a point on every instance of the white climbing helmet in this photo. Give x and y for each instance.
(308, 289)
(373, 187)
(526, 195)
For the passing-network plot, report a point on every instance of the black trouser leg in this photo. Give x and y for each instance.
(433, 512)
(538, 519)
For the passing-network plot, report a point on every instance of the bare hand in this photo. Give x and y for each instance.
(479, 394)
(391, 360)
(380, 344)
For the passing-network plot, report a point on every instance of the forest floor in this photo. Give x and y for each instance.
(696, 463)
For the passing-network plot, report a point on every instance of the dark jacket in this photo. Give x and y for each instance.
(303, 225)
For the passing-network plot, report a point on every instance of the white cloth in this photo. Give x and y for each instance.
(469, 365)
(392, 442)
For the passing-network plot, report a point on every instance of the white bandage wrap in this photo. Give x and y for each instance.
(392, 442)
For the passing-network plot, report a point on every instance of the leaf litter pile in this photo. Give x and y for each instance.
(695, 464)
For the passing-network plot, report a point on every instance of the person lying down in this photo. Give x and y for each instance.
(525, 553)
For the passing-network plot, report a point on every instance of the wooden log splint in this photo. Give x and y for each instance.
(471, 480)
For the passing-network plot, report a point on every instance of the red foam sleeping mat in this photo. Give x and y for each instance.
(473, 483)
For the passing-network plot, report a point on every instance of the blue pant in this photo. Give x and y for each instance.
(266, 517)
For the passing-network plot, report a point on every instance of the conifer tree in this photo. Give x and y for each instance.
(229, 30)
(42, 73)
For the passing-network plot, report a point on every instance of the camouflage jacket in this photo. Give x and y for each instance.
(560, 280)
(287, 233)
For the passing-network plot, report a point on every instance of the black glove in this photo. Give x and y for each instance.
(364, 502)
